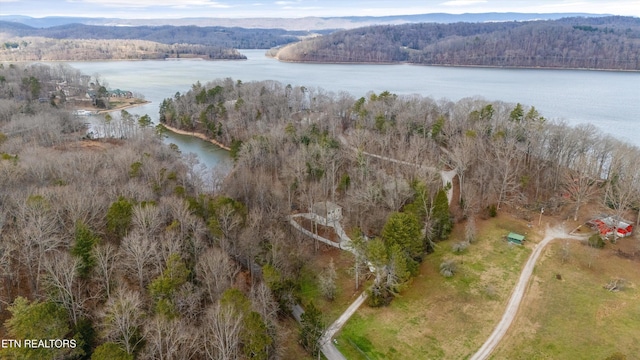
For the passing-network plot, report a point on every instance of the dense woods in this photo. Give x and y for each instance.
(113, 246)
(48, 49)
(590, 43)
(124, 245)
(300, 145)
(215, 36)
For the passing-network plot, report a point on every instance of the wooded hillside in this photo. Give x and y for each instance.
(110, 248)
(590, 43)
(217, 36)
(48, 49)
(124, 246)
(503, 153)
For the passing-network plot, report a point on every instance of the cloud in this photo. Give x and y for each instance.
(286, 3)
(463, 2)
(153, 3)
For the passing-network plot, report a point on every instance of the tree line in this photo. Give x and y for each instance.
(590, 43)
(215, 36)
(115, 244)
(310, 141)
(379, 157)
(49, 49)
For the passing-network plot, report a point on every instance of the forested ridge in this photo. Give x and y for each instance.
(591, 43)
(218, 36)
(301, 145)
(48, 49)
(515, 154)
(115, 246)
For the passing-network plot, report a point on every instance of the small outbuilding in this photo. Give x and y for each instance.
(515, 238)
(328, 210)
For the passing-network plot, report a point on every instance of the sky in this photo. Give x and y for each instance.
(148, 9)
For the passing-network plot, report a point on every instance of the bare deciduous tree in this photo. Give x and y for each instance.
(169, 339)
(327, 281)
(36, 236)
(147, 219)
(107, 257)
(216, 271)
(580, 182)
(140, 255)
(220, 332)
(122, 319)
(64, 284)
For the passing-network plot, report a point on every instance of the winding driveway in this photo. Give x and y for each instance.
(446, 175)
(518, 293)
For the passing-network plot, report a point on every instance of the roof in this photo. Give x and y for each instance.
(328, 206)
(515, 236)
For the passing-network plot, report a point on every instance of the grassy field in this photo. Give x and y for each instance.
(566, 313)
(438, 318)
(571, 316)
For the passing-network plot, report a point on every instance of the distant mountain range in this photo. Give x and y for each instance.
(299, 24)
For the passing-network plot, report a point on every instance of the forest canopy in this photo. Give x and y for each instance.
(123, 245)
(590, 43)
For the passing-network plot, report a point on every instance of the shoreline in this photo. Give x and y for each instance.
(450, 65)
(277, 58)
(123, 107)
(97, 111)
(198, 135)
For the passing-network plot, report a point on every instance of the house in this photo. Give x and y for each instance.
(328, 210)
(606, 226)
(515, 238)
(117, 93)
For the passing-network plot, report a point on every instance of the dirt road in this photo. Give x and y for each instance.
(518, 293)
(328, 349)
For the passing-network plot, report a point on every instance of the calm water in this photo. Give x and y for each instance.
(609, 100)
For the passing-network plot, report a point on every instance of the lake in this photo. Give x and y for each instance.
(610, 100)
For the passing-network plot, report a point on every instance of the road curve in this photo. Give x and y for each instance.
(518, 293)
(328, 349)
(446, 175)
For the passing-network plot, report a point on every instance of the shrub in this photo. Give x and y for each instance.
(493, 210)
(490, 291)
(448, 268)
(616, 356)
(460, 246)
(596, 241)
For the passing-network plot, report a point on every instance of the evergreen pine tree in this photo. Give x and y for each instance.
(442, 224)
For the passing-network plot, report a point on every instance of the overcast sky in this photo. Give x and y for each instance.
(144, 9)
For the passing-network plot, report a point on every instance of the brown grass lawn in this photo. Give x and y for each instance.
(438, 318)
(575, 317)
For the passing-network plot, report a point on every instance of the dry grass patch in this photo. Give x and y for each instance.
(574, 317)
(345, 293)
(445, 318)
